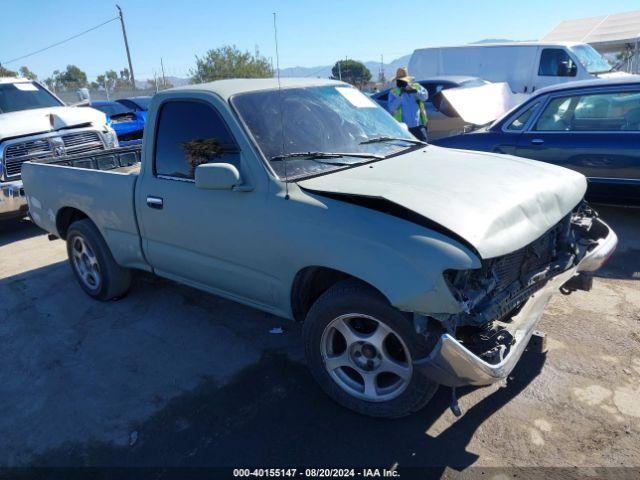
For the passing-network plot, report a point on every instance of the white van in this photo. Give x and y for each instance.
(525, 66)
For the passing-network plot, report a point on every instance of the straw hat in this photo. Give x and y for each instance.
(403, 74)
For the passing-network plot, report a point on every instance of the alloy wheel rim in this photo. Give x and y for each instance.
(85, 263)
(365, 357)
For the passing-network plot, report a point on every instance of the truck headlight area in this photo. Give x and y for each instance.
(110, 138)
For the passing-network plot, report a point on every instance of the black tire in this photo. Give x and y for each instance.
(112, 280)
(348, 297)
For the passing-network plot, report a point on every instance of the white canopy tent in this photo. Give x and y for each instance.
(614, 33)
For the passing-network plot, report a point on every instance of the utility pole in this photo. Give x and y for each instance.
(339, 70)
(381, 78)
(126, 46)
(164, 79)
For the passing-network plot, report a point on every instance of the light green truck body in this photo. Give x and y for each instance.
(396, 224)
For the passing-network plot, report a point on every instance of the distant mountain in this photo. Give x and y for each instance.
(320, 71)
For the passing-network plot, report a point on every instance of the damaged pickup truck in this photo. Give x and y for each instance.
(411, 266)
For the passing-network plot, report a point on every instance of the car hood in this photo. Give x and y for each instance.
(497, 203)
(39, 120)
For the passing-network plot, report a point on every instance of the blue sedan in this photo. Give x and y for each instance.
(127, 123)
(590, 126)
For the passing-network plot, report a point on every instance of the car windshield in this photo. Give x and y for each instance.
(590, 59)
(111, 109)
(322, 121)
(25, 96)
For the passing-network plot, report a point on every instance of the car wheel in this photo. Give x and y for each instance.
(92, 262)
(361, 350)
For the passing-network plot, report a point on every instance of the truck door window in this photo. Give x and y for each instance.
(189, 134)
(556, 62)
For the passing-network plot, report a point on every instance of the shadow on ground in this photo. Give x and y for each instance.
(273, 414)
(16, 230)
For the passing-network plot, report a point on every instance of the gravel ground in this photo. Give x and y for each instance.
(170, 376)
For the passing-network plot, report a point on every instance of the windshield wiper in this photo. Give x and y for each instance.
(320, 155)
(415, 141)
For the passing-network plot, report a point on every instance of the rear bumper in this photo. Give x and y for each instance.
(451, 364)
(13, 202)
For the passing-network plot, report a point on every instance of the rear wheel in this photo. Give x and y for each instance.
(92, 262)
(361, 351)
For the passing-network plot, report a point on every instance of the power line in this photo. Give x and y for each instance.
(60, 42)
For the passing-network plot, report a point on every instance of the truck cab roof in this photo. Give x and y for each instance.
(228, 88)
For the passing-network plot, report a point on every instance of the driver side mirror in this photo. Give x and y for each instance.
(217, 176)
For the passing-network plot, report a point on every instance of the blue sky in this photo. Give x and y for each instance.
(310, 33)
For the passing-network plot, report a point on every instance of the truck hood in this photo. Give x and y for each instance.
(496, 203)
(39, 120)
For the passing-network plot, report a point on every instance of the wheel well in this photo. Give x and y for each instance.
(66, 216)
(311, 282)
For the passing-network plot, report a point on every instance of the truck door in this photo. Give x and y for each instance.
(596, 134)
(555, 65)
(205, 238)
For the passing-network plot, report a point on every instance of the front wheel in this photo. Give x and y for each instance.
(361, 351)
(93, 264)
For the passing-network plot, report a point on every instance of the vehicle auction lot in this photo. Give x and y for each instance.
(170, 376)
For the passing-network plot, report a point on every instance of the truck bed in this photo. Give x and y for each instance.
(100, 186)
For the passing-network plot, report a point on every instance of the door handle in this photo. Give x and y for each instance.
(155, 202)
(537, 141)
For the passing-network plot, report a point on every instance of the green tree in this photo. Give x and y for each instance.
(53, 82)
(351, 71)
(5, 72)
(229, 62)
(71, 79)
(108, 81)
(26, 73)
(124, 80)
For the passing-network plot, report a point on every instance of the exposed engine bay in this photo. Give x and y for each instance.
(493, 294)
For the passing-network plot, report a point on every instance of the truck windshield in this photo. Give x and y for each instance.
(25, 96)
(590, 59)
(326, 119)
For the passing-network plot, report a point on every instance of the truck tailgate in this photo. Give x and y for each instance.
(101, 186)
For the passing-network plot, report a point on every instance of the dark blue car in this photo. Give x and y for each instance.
(127, 123)
(590, 126)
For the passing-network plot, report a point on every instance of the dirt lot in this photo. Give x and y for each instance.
(175, 377)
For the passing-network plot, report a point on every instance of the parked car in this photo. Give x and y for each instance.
(411, 265)
(592, 127)
(525, 66)
(34, 123)
(127, 123)
(441, 123)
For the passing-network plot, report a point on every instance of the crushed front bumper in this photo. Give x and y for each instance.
(451, 363)
(13, 202)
